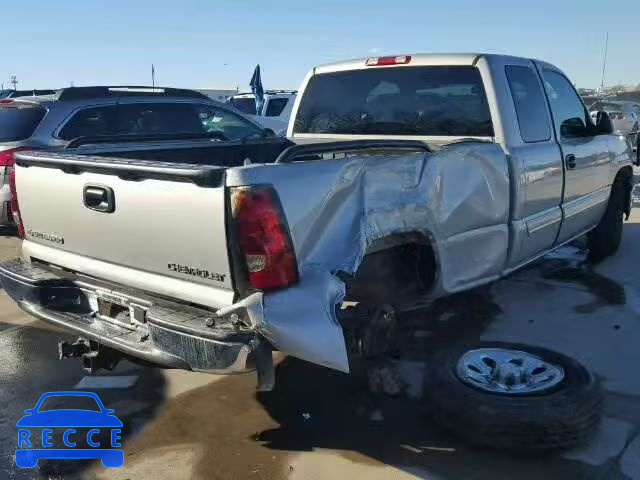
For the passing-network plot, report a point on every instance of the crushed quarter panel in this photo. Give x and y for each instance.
(457, 196)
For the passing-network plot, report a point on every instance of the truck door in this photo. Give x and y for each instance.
(536, 164)
(585, 156)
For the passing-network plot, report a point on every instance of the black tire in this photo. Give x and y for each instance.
(560, 418)
(604, 240)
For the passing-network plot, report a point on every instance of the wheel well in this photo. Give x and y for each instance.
(624, 174)
(395, 269)
(624, 178)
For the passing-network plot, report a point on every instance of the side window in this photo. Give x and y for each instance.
(275, 106)
(569, 114)
(89, 122)
(530, 104)
(246, 105)
(157, 118)
(232, 126)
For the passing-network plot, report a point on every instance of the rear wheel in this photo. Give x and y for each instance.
(513, 397)
(604, 240)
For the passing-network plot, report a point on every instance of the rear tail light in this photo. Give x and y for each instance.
(264, 238)
(7, 162)
(382, 61)
(15, 208)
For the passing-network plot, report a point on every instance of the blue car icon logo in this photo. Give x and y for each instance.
(69, 424)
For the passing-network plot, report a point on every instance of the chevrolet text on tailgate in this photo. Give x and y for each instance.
(409, 178)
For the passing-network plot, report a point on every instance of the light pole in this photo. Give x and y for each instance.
(14, 82)
(604, 61)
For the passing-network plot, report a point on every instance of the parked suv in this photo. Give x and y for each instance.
(53, 121)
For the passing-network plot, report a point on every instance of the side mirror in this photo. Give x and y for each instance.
(573, 128)
(603, 124)
(268, 133)
(29, 410)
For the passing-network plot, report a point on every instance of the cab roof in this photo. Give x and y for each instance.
(414, 59)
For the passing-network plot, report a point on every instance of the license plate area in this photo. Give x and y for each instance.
(118, 309)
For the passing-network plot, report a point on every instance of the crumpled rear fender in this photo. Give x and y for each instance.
(458, 197)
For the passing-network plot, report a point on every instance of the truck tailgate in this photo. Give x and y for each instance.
(161, 226)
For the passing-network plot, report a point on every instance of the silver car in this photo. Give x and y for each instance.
(55, 121)
(625, 117)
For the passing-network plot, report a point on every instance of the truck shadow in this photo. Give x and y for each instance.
(232, 432)
(583, 274)
(331, 411)
(328, 410)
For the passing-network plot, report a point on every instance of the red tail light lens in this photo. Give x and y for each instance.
(7, 160)
(264, 238)
(6, 156)
(15, 208)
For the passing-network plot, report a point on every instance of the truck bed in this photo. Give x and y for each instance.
(166, 231)
(200, 152)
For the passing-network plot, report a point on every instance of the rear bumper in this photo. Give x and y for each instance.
(164, 332)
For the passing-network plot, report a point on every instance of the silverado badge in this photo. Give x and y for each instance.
(49, 237)
(197, 272)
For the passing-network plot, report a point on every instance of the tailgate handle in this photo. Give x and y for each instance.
(99, 198)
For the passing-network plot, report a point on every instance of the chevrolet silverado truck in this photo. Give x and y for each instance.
(403, 179)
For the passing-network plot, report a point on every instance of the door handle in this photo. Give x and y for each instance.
(570, 161)
(99, 198)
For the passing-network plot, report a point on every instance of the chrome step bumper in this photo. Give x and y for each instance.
(164, 332)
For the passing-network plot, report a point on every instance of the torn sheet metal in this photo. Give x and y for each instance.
(457, 197)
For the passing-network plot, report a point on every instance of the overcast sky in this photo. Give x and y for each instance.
(217, 43)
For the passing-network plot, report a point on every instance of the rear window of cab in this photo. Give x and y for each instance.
(417, 100)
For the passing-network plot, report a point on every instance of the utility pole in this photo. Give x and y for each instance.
(14, 82)
(604, 63)
(153, 76)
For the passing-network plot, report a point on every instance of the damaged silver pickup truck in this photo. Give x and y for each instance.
(404, 179)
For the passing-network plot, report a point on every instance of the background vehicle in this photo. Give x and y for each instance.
(625, 117)
(276, 109)
(414, 177)
(53, 121)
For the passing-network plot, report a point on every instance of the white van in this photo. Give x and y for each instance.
(276, 109)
